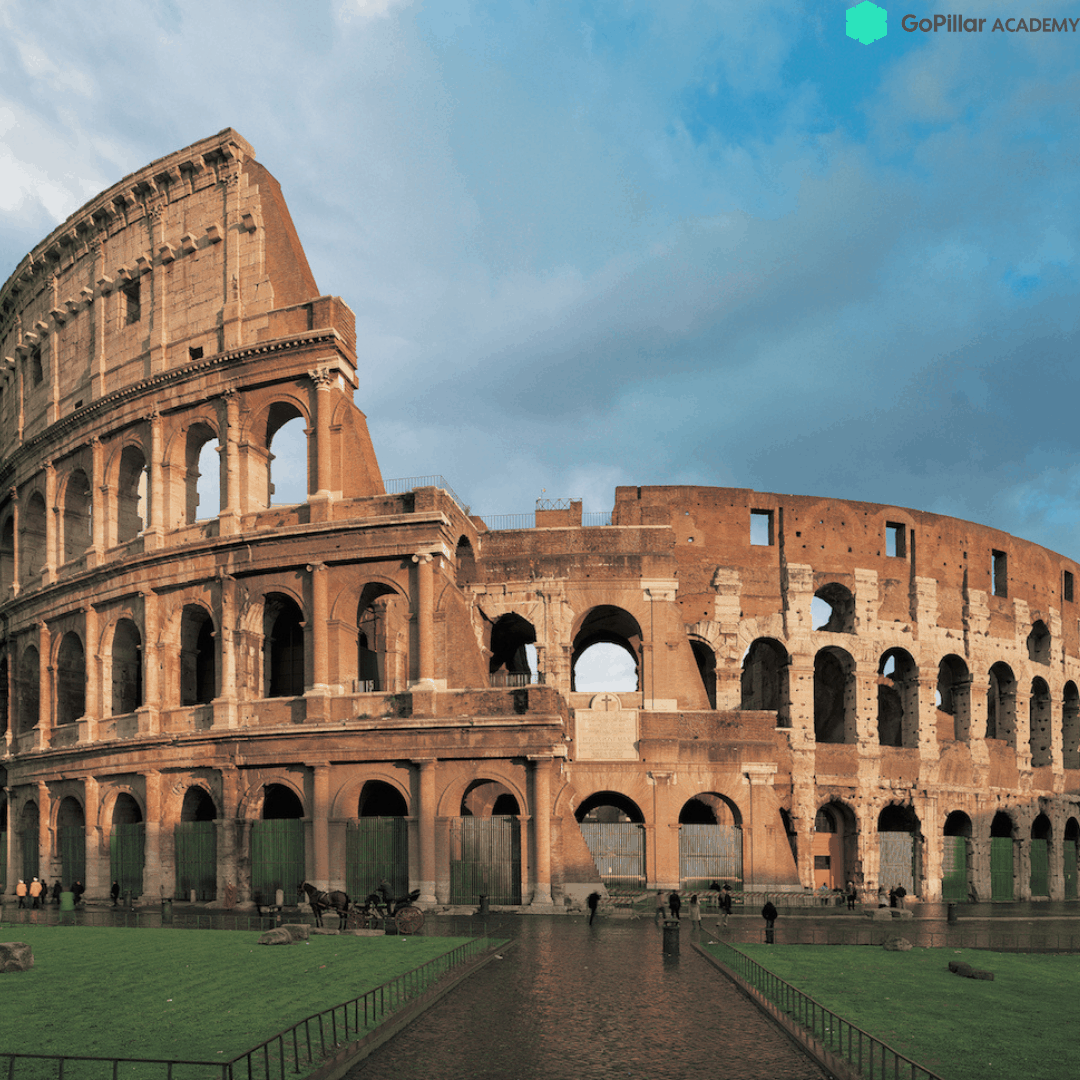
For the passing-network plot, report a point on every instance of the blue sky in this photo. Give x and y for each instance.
(592, 244)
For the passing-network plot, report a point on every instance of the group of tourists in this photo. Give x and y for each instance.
(38, 893)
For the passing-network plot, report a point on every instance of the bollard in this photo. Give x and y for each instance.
(166, 913)
(484, 909)
(191, 898)
(951, 915)
(129, 901)
(671, 937)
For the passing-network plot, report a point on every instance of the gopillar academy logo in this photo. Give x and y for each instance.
(866, 22)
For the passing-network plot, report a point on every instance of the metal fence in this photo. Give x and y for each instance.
(872, 1058)
(402, 484)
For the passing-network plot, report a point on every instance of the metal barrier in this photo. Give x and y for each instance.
(874, 1059)
(400, 485)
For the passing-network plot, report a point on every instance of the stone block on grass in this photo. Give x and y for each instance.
(280, 936)
(15, 956)
(297, 931)
(897, 944)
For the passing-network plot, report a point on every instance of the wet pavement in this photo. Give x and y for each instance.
(570, 1000)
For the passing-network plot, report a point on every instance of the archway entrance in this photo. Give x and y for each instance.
(1001, 857)
(834, 839)
(195, 843)
(954, 857)
(71, 840)
(377, 843)
(1072, 833)
(29, 841)
(897, 850)
(277, 845)
(127, 845)
(614, 830)
(710, 843)
(485, 846)
(1040, 856)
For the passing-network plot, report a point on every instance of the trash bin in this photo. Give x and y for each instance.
(484, 909)
(166, 913)
(951, 915)
(671, 937)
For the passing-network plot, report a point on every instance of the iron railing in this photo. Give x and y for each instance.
(497, 522)
(872, 1058)
(516, 679)
(402, 484)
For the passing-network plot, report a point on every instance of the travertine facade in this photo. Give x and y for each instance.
(341, 690)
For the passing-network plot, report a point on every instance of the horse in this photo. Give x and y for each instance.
(325, 901)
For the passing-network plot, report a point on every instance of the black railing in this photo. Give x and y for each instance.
(872, 1058)
(516, 679)
(402, 484)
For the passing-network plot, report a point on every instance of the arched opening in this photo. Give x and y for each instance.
(835, 846)
(834, 696)
(833, 609)
(195, 845)
(898, 699)
(764, 679)
(198, 660)
(511, 636)
(1002, 844)
(710, 843)
(132, 507)
(1001, 705)
(278, 858)
(202, 483)
(71, 841)
(955, 857)
(485, 845)
(1039, 719)
(1070, 847)
(283, 647)
(705, 659)
(377, 843)
(614, 830)
(77, 520)
(7, 555)
(380, 617)
(465, 563)
(286, 455)
(954, 695)
(4, 690)
(1039, 852)
(1070, 727)
(898, 849)
(612, 639)
(28, 690)
(29, 841)
(70, 679)
(126, 668)
(1038, 643)
(32, 540)
(127, 845)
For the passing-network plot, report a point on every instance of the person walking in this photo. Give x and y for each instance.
(768, 913)
(675, 904)
(114, 892)
(725, 904)
(56, 890)
(695, 910)
(661, 908)
(593, 900)
(20, 892)
(852, 895)
(76, 892)
(35, 894)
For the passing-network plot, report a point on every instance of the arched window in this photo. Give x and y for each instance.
(833, 609)
(764, 680)
(198, 661)
(202, 489)
(7, 555)
(898, 699)
(283, 647)
(465, 562)
(78, 523)
(32, 538)
(1070, 727)
(1039, 852)
(954, 857)
(1001, 704)
(898, 852)
(127, 845)
(511, 638)
(380, 799)
(1038, 643)
(71, 840)
(287, 456)
(126, 668)
(612, 639)
(28, 690)
(1002, 857)
(70, 679)
(705, 659)
(1039, 732)
(381, 624)
(132, 508)
(834, 696)
(954, 695)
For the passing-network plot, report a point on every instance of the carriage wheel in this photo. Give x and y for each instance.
(409, 920)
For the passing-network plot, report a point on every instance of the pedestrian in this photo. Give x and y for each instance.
(725, 903)
(20, 892)
(44, 892)
(823, 893)
(593, 900)
(114, 892)
(661, 908)
(695, 910)
(675, 904)
(852, 895)
(76, 891)
(35, 894)
(892, 897)
(900, 892)
(56, 890)
(768, 913)
(882, 897)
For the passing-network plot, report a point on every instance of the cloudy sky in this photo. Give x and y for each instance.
(605, 243)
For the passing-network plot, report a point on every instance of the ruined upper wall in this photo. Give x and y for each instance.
(191, 257)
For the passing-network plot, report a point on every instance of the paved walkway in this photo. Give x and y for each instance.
(574, 1001)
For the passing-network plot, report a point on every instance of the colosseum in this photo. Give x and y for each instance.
(218, 697)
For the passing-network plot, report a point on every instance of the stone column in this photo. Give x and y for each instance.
(758, 868)
(231, 512)
(230, 833)
(318, 616)
(16, 567)
(425, 622)
(99, 494)
(45, 847)
(152, 883)
(45, 677)
(665, 833)
(155, 485)
(426, 815)
(150, 713)
(541, 770)
(323, 379)
(52, 513)
(14, 868)
(226, 707)
(97, 868)
(320, 818)
(92, 707)
(158, 331)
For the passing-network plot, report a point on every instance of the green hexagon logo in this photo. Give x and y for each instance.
(866, 22)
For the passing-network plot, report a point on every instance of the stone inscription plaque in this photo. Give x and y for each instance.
(607, 735)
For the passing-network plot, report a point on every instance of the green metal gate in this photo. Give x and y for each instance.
(126, 855)
(195, 845)
(1070, 869)
(3, 861)
(376, 850)
(30, 853)
(896, 855)
(485, 860)
(1001, 868)
(954, 868)
(709, 853)
(618, 849)
(72, 842)
(277, 857)
(1040, 867)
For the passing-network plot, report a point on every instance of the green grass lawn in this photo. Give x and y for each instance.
(184, 994)
(1023, 1024)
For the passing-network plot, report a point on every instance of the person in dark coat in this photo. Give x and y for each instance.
(675, 904)
(593, 900)
(56, 891)
(77, 890)
(114, 892)
(768, 913)
(725, 904)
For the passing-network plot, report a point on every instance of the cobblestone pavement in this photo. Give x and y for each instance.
(570, 1000)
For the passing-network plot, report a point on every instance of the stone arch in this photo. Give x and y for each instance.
(76, 520)
(252, 802)
(279, 415)
(198, 655)
(607, 807)
(1039, 737)
(606, 624)
(1070, 726)
(1038, 643)
(1039, 848)
(132, 493)
(28, 690)
(834, 696)
(32, 536)
(201, 457)
(198, 805)
(453, 795)
(898, 699)
(488, 798)
(464, 562)
(126, 657)
(710, 808)
(281, 801)
(283, 646)
(346, 800)
(378, 798)
(1001, 704)
(511, 634)
(710, 842)
(835, 845)
(71, 839)
(70, 679)
(840, 602)
(954, 695)
(7, 553)
(764, 679)
(382, 634)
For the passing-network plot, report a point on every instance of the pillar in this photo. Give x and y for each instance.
(425, 620)
(226, 709)
(320, 822)
(45, 696)
(97, 867)
(52, 513)
(45, 847)
(155, 484)
(92, 708)
(99, 494)
(229, 833)
(149, 714)
(541, 770)
(426, 815)
(231, 511)
(759, 868)
(319, 677)
(664, 844)
(323, 379)
(16, 568)
(152, 883)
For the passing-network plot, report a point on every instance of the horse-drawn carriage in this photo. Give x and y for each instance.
(379, 909)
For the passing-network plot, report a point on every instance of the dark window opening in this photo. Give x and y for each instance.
(895, 540)
(1067, 586)
(999, 576)
(195, 352)
(37, 372)
(761, 528)
(132, 305)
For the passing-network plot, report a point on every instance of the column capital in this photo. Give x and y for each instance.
(759, 772)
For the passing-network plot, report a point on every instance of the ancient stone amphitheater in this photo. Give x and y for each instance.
(218, 695)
